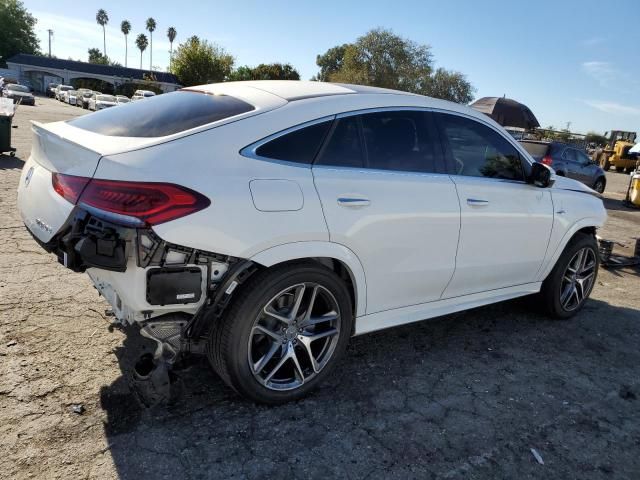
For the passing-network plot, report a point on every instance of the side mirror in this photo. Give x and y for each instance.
(541, 175)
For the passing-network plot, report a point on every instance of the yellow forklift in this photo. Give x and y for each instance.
(616, 151)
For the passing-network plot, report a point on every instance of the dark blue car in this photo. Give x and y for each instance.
(568, 161)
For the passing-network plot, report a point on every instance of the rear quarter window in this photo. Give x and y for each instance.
(300, 146)
(162, 115)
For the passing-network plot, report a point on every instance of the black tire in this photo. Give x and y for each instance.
(619, 169)
(551, 287)
(228, 342)
(605, 164)
(600, 184)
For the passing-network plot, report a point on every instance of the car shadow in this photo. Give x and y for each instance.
(413, 401)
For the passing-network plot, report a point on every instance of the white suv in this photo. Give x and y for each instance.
(265, 223)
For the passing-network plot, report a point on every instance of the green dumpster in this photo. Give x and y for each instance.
(5, 135)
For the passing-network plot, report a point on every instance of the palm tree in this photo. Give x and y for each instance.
(171, 33)
(102, 18)
(125, 28)
(142, 43)
(151, 26)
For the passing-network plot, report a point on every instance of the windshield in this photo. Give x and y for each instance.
(106, 98)
(537, 150)
(66, 88)
(123, 99)
(18, 88)
(148, 94)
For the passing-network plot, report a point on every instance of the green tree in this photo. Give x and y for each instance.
(96, 56)
(382, 59)
(197, 62)
(142, 43)
(16, 30)
(125, 28)
(597, 138)
(271, 71)
(171, 35)
(102, 19)
(151, 26)
(330, 62)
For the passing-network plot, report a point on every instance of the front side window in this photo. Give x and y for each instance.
(479, 151)
(343, 148)
(399, 140)
(300, 146)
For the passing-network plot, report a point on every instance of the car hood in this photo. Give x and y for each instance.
(564, 183)
(103, 102)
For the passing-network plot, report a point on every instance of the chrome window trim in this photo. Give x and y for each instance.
(250, 150)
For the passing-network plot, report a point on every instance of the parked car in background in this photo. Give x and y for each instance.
(83, 100)
(141, 94)
(301, 214)
(71, 97)
(51, 90)
(122, 99)
(60, 89)
(568, 161)
(101, 101)
(79, 94)
(19, 94)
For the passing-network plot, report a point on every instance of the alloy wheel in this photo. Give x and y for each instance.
(294, 336)
(578, 279)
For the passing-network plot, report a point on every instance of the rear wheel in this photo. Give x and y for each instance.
(571, 281)
(619, 169)
(604, 163)
(283, 334)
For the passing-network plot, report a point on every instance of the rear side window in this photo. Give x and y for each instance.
(300, 146)
(344, 148)
(399, 140)
(479, 151)
(162, 115)
(570, 155)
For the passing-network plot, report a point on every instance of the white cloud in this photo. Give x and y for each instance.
(593, 41)
(610, 77)
(613, 107)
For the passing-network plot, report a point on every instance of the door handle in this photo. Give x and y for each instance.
(477, 202)
(353, 202)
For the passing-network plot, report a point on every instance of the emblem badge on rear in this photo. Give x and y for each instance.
(43, 226)
(27, 179)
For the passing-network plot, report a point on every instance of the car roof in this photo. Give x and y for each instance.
(343, 97)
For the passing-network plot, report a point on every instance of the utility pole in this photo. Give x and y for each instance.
(50, 35)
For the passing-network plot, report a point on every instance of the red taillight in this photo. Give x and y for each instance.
(547, 160)
(152, 203)
(69, 187)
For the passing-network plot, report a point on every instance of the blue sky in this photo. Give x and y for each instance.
(546, 54)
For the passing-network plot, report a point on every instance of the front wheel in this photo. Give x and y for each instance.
(283, 333)
(571, 281)
(599, 185)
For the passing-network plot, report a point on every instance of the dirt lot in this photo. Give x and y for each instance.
(467, 395)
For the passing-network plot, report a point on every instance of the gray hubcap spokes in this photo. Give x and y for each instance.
(578, 279)
(294, 336)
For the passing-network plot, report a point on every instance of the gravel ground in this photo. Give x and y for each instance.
(466, 395)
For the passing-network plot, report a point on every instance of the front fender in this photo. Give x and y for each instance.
(319, 249)
(551, 260)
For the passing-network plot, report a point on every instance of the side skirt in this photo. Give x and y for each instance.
(425, 311)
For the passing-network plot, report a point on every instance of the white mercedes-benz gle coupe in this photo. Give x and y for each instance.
(265, 223)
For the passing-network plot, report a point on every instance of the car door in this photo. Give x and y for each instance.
(505, 222)
(386, 196)
(572, 165)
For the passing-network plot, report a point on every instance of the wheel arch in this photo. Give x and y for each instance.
(337, 257)
(584, 226)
